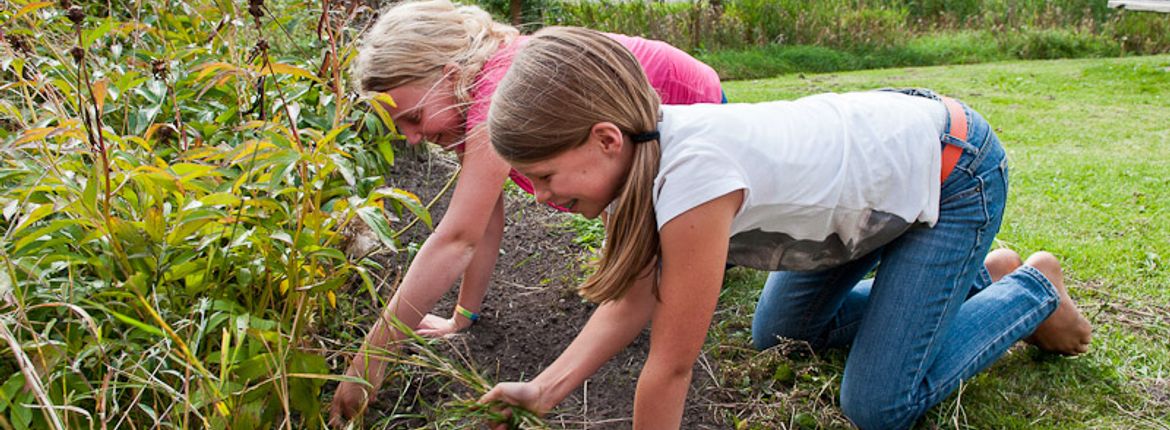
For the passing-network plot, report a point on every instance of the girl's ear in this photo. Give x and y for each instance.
(609, 136)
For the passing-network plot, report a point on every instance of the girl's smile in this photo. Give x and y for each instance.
(586, 178)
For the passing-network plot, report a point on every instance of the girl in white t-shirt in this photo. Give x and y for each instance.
(820, 191)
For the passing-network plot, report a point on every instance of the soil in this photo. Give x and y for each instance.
(530, 315)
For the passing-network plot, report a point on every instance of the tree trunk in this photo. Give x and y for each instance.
(516, 13)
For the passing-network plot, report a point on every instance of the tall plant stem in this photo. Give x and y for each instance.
(335, 62)
(99, 144)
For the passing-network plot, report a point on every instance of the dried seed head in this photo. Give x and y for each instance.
(158, 66)
(77, 53)
(18, 43)
(261, 47)
(166, 133)
(256, 8)
(65, 4)
(76, 14)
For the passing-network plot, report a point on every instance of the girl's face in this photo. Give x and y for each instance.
(427, 111)
(584, 179)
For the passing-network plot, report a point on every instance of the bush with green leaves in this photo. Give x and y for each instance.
(175, 182)
(745, 39)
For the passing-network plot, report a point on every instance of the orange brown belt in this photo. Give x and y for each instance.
(958, 130)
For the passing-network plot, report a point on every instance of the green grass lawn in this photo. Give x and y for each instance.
(1089, 147)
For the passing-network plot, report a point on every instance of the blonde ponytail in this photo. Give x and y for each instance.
(561, 84)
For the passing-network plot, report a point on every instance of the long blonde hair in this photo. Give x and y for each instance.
(414, 41)
(559, 86)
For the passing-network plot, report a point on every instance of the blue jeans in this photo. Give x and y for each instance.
(930, 318)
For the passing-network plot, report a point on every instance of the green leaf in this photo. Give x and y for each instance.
(139, 283)
(379, 102)
(305, 388)
(282, 236)
(345, 167)
(332, 135)
(42, 232)
(89, 36)
(189, 171)
(10, 390)
(156, 226)
(406, 198)
(254, 368)
(187, 228)
(10, 110)
(130, 80)
(34, 216)
(180, 271)
(127, 319)
(21, 415)
(218, 199)
(387, 151)
(368, 283)
(375, 218)
(288, 69)
(329, 253)
(89, 196)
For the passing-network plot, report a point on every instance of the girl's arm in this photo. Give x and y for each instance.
(697, 242)
(476, 279)
(694, 254)
(448, 251)
(613, 326)
(443, 257)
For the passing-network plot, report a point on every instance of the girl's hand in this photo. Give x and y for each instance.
(436, 326)
(526, 395)
(348, 402)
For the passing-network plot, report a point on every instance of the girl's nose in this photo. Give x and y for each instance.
(412, 137)
(542, 194)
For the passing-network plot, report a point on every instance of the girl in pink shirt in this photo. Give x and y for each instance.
(440, 63)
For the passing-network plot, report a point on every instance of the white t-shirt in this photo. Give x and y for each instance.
(826, 178)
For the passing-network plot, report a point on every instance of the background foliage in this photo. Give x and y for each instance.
(760, 38)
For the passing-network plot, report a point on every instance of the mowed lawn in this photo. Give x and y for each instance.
(1089, 148)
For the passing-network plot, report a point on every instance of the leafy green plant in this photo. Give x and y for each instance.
(589, 233)
(175, 179)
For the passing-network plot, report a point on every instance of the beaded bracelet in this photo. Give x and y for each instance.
(472, 316)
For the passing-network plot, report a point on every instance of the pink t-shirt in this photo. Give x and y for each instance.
(678, 78)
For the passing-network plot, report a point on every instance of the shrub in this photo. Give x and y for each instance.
(172, 209)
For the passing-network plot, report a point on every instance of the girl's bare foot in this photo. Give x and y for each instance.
(1066, 331)
(1001, 262)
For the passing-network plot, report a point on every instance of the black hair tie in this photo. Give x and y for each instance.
(644, 137)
